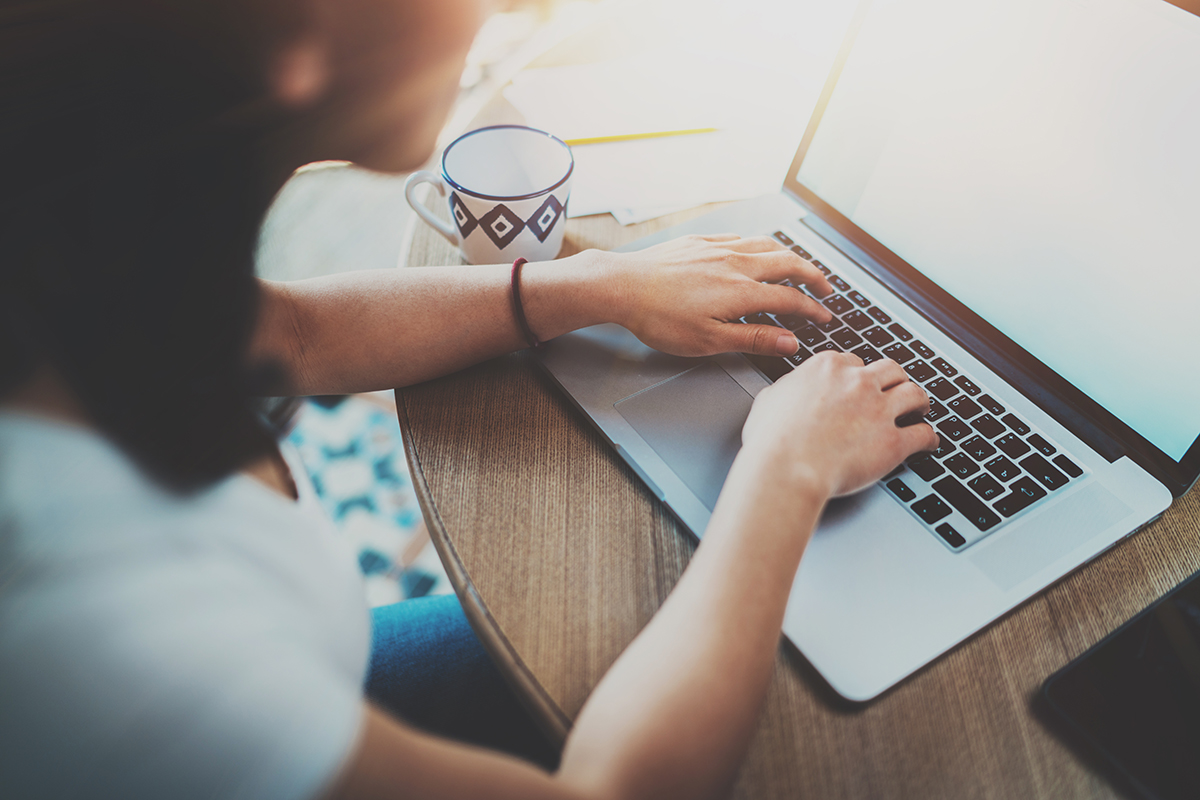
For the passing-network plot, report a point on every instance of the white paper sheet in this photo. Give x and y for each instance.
(731, 69)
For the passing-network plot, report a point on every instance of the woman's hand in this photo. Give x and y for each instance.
(832, 423)
(685, 296)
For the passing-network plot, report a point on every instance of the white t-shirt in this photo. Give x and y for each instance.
(153, 646)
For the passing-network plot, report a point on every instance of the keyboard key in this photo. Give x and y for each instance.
(989, 402)
(986, 486)
(954, 428)
(824, 269)
(879, 314)
(799, 357)
(945, 367)
(823, 346)
(931, 509)
(960, 465)
(919, 371)
(1068, 466)
(1046, 474)
(782, 237)
(800, 251)
(857, 320)
(967, 503)
(941, 388)
(897, 472)
(911, 418)
(878, 336)
(922, 349)
(858, 299)
(790, 321)
(793, 322)
(838, 304)
(1041, 445)
(1012, 446)
(988, 425)
(944, 447)
(936, 411)
(1002, 468)
(846, 338)
(1024, 494)
(868, 354)
(901, 490)
(831, 326)
(952, 537)
(759, 319)
(898, 353)
(978, 448)
(1012, 421)
(965, 407)
(965, 384)
(809, 335)
(839, 284)
(901, 333)
(925, 467)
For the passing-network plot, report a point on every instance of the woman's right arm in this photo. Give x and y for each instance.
(674, 714)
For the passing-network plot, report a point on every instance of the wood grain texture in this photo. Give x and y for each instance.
(562, 556)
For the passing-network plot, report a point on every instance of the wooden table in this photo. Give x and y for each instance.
(560, 556)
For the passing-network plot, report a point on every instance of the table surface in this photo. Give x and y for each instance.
(561, 555)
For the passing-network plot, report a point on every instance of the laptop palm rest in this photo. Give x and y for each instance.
(1025, 551)
(693, 421)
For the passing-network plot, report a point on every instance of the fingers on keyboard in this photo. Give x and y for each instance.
(988, 465)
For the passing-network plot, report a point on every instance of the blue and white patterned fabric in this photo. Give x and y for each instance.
(351, 449)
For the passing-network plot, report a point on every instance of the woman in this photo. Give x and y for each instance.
(170, 624)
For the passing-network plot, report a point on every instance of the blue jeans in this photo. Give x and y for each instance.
(429, 670)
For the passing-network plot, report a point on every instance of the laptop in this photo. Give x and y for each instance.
(1004, 195)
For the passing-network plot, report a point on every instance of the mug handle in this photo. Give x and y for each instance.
(410, 186)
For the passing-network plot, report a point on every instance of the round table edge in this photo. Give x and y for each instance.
(547, 713)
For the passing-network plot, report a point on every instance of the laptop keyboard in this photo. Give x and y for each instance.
(990, 467)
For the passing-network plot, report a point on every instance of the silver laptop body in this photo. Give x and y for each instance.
(1053, 449)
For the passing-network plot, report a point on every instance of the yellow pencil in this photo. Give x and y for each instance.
(629, 137)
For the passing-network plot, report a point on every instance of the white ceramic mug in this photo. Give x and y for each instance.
(507, 188)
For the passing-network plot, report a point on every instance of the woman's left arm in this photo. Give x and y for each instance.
(380, 329)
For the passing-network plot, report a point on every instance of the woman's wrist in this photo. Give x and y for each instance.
(765, 516)
(771, 483)
(776, 469)
(571, 293)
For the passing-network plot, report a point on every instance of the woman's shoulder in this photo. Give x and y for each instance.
(75, 512)
(68, 488)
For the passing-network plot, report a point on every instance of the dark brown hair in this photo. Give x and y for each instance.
(129, 209)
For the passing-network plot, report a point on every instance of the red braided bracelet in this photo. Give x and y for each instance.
(518, 309)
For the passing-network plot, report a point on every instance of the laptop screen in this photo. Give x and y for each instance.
(1039, 160)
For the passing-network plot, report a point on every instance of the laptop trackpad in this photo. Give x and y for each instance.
(693, 421)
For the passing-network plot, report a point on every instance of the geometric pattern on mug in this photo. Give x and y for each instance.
(543, 220)
(501, 225)
(462, 217)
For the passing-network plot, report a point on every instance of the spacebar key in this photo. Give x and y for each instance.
(967, 504)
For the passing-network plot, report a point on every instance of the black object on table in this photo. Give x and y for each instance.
(1134, 698)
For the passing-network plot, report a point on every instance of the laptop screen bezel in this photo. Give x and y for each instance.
(1078, 412)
